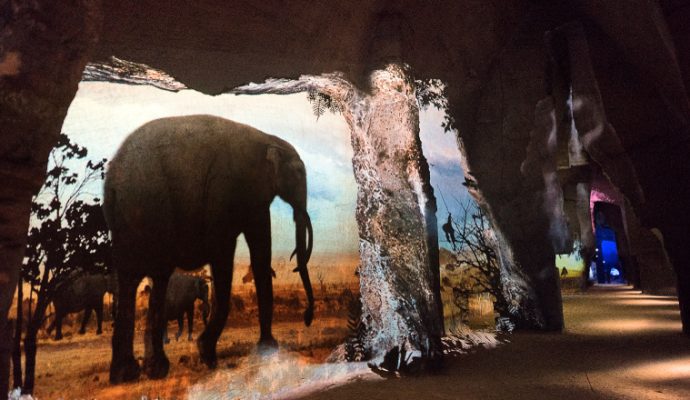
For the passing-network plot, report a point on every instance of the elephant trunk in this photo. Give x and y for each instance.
(305, 240)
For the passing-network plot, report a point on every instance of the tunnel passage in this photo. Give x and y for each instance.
(613, 258)
(611, 232)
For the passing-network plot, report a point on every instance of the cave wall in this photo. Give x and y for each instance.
(510, 155)
(215, 45)
(676, 14)
(635, 67)
(399, 271)
(654, 269)
(44, 47)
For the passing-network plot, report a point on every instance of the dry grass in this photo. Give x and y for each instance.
(77, 366)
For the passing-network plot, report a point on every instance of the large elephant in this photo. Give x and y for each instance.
(183, 290)
(178, 193)
(82, 292)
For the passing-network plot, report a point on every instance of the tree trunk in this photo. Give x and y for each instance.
(29, 359)
(30, 342)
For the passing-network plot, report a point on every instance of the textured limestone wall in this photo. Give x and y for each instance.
(397, 282)
(656, 274)
(396, 208)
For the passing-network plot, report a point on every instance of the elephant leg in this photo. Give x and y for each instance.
(124, 366)
(166, 339)
(99, 318)
(85, 320)
(49, 329)
(190, 322)
(222, 281)
(58, 325)
(180, 326)
(258, 236)
(156, 364)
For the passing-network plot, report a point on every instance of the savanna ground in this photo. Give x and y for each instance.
(77, 366)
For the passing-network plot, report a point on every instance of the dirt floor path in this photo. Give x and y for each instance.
(618, 344)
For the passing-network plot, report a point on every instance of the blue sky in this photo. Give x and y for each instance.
(103, 114)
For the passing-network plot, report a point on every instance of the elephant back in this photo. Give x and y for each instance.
(176, 186)
(80, 291)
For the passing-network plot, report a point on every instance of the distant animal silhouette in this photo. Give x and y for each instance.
(82, 292)
(449, 231)
(183, 290)
(178, 193)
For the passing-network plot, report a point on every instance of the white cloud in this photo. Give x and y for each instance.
(439, 147)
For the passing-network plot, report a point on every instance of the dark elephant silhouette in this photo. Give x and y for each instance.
(82, 292)
(183, 290)
(178, 193)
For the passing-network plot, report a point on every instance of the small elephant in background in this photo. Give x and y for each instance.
(183, 290)
(82, 292)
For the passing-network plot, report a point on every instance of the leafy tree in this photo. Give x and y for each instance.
(432, 92)
(68, 235)
(320, 103)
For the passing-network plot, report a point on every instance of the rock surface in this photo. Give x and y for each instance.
(395, 203)
(44, 46)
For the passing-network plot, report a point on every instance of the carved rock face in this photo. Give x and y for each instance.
(397, 280)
